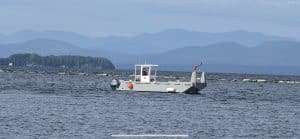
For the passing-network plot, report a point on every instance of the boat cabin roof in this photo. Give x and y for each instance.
(145, 65)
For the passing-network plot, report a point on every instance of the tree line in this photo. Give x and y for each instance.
(68, 61)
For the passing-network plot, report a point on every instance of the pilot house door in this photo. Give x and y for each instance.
(145, 71)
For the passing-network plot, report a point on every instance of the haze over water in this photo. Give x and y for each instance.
(73, 106)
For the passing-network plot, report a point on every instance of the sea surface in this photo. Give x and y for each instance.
(34, 105)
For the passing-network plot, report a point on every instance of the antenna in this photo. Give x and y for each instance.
(197, 66)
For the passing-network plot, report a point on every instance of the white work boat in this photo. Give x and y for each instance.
(145, 81)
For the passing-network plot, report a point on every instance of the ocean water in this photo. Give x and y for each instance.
(36, 105)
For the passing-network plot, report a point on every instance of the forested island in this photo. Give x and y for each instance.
(66, 61)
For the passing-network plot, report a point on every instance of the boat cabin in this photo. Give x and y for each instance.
(145, 73)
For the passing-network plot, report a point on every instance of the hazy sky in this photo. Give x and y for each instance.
(129, 17)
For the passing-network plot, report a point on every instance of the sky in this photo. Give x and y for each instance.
(131, 17)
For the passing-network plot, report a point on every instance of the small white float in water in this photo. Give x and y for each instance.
(290, 82)
(145, 81)
(246, 80)
(61, 73)
(82, 74)
(102, 74)
(261, 80)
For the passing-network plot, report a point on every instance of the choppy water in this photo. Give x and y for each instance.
(73, 106)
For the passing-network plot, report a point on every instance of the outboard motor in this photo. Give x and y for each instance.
(114, 84)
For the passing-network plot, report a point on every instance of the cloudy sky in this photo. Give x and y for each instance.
(130, 17)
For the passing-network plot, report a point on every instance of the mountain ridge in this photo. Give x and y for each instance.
(158, 41)
(234, 53)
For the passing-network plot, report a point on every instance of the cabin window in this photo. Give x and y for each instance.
(145, 71)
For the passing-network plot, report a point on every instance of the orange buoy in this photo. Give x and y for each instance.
(130, 85)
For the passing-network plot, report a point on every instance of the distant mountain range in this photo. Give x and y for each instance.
(40, 46)
(281, 53)
(237, 51)
(147, 43)
(27, 35)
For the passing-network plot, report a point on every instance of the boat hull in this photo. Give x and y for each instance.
(165, 87)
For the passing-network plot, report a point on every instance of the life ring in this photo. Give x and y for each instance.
(130, 85)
